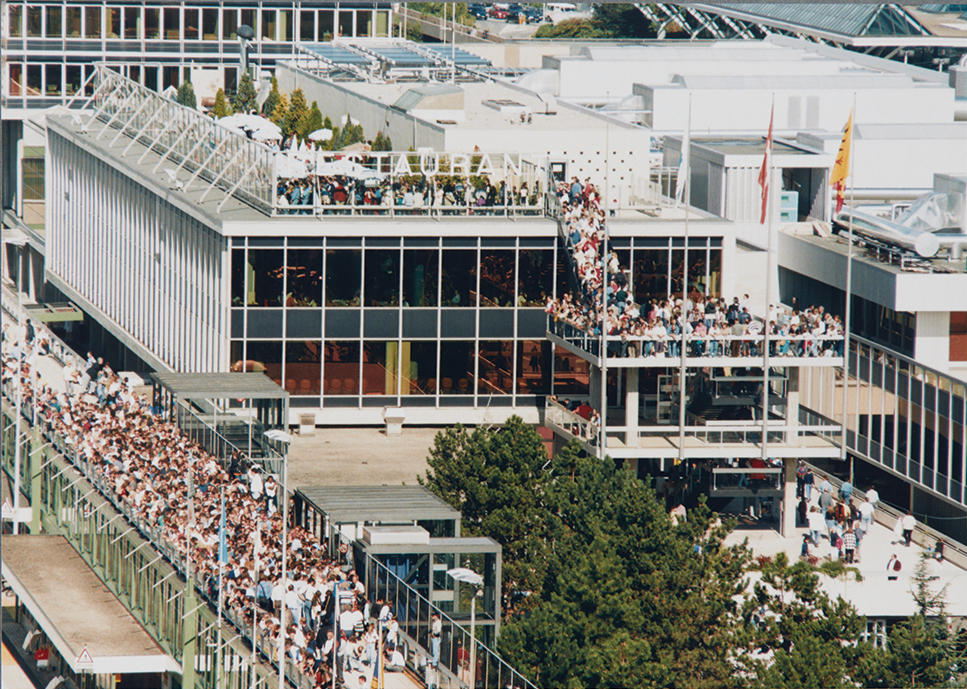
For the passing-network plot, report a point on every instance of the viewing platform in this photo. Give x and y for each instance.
(718, 351)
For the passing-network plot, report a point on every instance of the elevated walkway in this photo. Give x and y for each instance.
(76, 610)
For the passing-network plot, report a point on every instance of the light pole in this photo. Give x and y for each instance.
(245, 34)
(284, 438)
(468, 576)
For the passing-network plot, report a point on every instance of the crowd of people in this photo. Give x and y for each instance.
(713, 326)
(148, 466)
(413, 195)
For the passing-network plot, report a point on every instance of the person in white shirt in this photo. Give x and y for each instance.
(872, 496)
(255, 482)
(909, 524)
(395, 661)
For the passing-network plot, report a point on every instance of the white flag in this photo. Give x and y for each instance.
(683, 165)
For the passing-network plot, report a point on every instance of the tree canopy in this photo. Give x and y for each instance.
(186, 95)
(244, 100)
(609, 20)
(221, 107)
(601, 589)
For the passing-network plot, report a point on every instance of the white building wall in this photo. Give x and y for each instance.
(932, 343)
(149, 269)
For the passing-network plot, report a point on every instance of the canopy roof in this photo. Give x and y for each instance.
(208, 386)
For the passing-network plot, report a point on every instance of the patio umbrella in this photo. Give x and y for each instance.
(321, 135)
(346, 168)
(288, 167)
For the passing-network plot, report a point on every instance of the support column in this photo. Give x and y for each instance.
(792, 406)
(631, 407)
(34, 462)
(788, 520)
(594, 386)
(189, 633)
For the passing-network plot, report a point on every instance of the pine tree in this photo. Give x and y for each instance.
(268, 107)
(244, 101)
(279, 114)
(298, 110)
(382, 143)
(327, 123)
(311, 121)
(221, 108)
(186, 95)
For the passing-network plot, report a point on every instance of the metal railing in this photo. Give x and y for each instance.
(749, 479)
(413, 612)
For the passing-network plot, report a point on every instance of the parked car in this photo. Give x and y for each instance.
(534, 14)
(477, 10)
(497, 12)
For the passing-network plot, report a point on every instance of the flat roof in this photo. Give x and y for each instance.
(76, 610)
(197, 386)
(388, 504)
(475, 544)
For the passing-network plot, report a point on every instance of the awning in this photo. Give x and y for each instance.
(77, 611)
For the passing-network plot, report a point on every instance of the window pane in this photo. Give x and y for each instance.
(459, 278)
(345, 23)
(342, 277)
(326, 19)
(570, 373)
(494, 361)
(715, 273)
(532, 376)
(302, 367)
(34, 80)
(418, 368)
(238, 279)
(382, 284)
(132, 22)
(266, 356)
(285, 25)
(172, 24)
(35, 21)
(55, 22)
(497, 278)
(15, 83)
(341, 374)
(53, 78)
(191, 24)
(15, 18)
(420, 272)
(535, 275)
(268, 24)
(209, 24)
(363, 19)
(229, 23)
(92, 22)
(307, 25)
(265, 277)
(304, 277)
(114, 22)
(456, 368)
(33, 176)
(152, 22)
(650, 274)
(380, 368)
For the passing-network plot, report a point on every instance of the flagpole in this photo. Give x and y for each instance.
(770, 249)
(255, 600)
(686, 190)
(849, 289)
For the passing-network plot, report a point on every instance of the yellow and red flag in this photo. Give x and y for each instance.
(764, 170)
(841, 168)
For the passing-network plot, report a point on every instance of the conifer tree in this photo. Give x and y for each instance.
(221, 108)
(186, 95)
(298, 110)
(244, 101)
(280, 113)
(268, 107)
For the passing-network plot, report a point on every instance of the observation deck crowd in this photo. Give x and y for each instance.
(175, 487)
(714, 326)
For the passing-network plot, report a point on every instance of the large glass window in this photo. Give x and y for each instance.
(326, 24)
(304, 277)
(239, 273)
(92, 22)
(191, 20)
(15, 79)
(55, 21)
(363, 20)
(420, 273)
(268, 25)
(456, 368)
(380, 368)
(152, 22)
(570, 373)
(15, 20)
(532, 376)
(303, 367)
(35, 21)
(266, 356)
(285, 25)
(209, 24)
(346, 23)
(132, 22)
(497, 278)
(382, 284)
(341, 372)
(459, 273)
(35, 78)
(307, 25)
(650, 274)
(74, 21)
(495, 367)
(343, 277)
(535, 276)
(229, 23)
(418, 368)
(33, 179)
(52, 77)
(265, 272)
(73, 79)
(172, 29)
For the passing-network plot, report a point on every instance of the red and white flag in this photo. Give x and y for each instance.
(764, 172)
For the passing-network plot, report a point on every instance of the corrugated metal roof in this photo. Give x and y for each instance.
(206, 386)
(851, 19)
(386, 504)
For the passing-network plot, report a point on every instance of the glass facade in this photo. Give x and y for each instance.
(51, 47)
